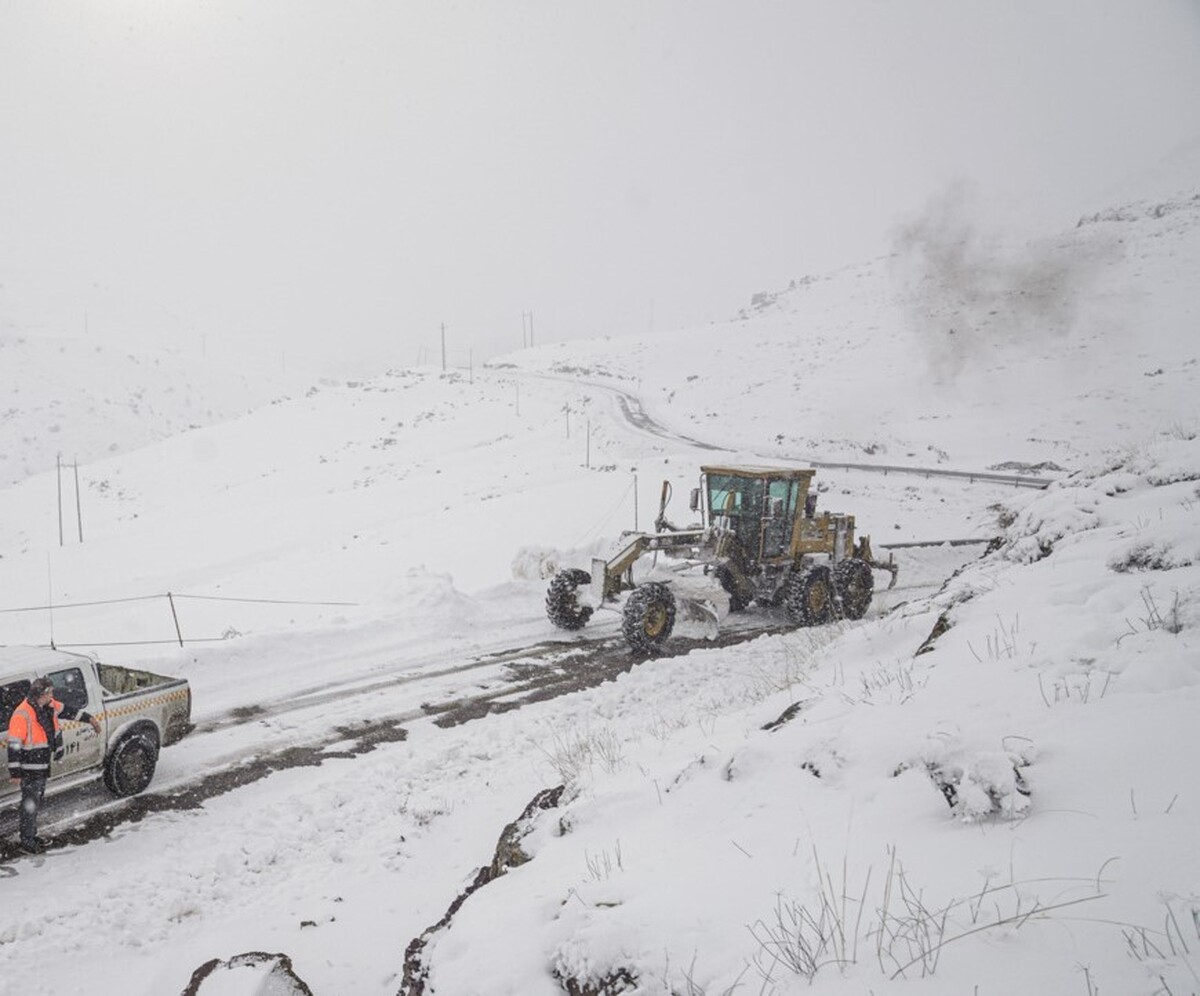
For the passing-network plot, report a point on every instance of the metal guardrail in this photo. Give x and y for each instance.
(931, 543)
(1016, 480)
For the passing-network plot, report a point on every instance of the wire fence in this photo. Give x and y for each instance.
(171, 598)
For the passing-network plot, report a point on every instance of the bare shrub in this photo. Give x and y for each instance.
(906, 931)
(575, 754)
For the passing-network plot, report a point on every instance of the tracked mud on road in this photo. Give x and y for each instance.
(572, 667)
(345, 743)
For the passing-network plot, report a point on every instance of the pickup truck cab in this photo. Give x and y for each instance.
(139, 714)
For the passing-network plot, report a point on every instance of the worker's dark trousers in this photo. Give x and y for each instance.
(33, 787)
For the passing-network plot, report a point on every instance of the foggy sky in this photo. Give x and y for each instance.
(340, 178)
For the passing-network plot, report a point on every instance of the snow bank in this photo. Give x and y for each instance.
(850, 813)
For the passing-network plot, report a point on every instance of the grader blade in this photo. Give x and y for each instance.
(697, 612)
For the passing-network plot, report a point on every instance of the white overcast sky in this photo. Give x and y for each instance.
(345, 176)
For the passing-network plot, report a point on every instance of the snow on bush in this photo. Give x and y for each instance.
(1062, 510)
(976, 784)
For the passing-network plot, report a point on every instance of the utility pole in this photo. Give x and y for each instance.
(443, 347)
(58, 474)
(525, 315)
(78, 504)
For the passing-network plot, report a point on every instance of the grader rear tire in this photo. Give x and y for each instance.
(808, 596)
(648, 617)
(855, 584)
(562, 605)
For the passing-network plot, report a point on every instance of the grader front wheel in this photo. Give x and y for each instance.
(562, 602)
(648, 617)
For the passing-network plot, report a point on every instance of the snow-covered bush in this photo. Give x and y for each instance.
(976, 785)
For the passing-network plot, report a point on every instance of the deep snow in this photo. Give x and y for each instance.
(1010, 811)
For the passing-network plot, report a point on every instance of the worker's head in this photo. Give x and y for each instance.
(40, 690)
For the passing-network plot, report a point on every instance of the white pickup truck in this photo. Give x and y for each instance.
(139, 713)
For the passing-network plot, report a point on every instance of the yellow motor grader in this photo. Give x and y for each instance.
(761, 540)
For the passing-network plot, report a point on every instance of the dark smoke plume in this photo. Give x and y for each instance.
(966, 294)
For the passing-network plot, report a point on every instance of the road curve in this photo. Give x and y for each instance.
(636, 416)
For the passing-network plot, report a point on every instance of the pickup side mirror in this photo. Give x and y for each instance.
(694, 502)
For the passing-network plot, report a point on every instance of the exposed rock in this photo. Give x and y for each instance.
(273, 971)
(788, 714)
(508, 854)
(941, 626)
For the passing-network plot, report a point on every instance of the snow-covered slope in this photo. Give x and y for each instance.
(84, 401)
(962, 349)
(982, 786)
(989, 787)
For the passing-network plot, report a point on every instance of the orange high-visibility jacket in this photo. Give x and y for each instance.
(29, 747)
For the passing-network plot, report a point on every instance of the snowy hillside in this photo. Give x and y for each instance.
(407, 781)
(86, 401)
(963, 348)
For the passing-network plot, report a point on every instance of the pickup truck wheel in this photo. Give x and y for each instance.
(130, 766)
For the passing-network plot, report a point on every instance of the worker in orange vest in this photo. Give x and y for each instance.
(34, 736)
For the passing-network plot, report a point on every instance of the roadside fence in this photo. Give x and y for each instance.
(171, 598)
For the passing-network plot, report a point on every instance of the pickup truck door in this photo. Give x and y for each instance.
(83, 748)
(12, 691)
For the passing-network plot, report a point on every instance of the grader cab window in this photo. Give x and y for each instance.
(781, 504)
(741, 500)
(728, 495)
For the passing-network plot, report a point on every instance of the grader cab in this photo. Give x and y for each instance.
(760, 540)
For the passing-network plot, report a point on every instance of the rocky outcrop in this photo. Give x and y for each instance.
(273, 970)
(508, 854)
